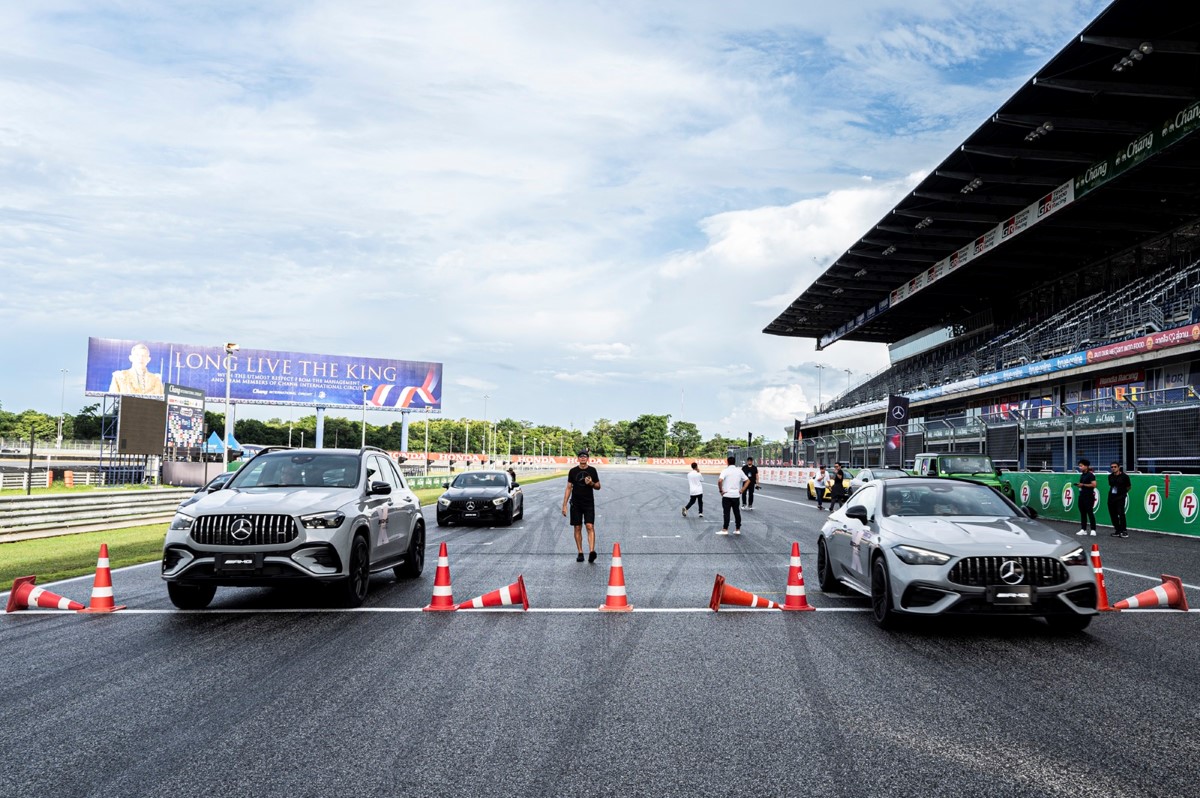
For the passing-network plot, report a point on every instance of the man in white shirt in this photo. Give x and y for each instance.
(695, 490)
(730, 485)
(819, 483)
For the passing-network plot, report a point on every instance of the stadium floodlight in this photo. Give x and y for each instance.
(838, 290)
(921, 225)
(1146, 48)
(890, 250)
(861, 273)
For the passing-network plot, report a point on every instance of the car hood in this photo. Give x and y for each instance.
(461, 494)
(978, 535)
(289, 501)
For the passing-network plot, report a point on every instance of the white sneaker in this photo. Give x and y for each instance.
(1081, 532)
(737, 531)
(723, 532)
(1092, 533)
(701, 515)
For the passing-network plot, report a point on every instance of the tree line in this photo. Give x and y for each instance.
(646, 436)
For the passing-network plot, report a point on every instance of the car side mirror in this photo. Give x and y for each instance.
(379, 489)
(1029, 511)
(200, 489)
(445, 484)
(515, 485)
(857, 513)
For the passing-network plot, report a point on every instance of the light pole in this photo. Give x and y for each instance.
(290, 434)
(466, 443)
(522, 444)
(229, 350)
(820, 367)
(62, 403)
(364, 419)
(510, 446)
(426, 445)
(301, 439)
(485, 438)
(847, 379)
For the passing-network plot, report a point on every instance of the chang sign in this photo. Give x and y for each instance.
(262, 376)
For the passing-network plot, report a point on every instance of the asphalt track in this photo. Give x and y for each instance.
(280, 693)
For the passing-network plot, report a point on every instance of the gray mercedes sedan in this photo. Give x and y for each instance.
(943, 546)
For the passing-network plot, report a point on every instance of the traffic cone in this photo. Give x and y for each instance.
(25, 594)
(504, 597)
(443, 596)
(1101, 590)
(735, 596)
(102, 586)
(615, 599)
(1169, 594)
(796, 600)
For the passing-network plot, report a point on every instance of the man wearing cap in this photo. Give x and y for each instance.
(582, 482)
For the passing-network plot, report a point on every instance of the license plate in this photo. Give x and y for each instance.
(470, 515)
(238, 563)
(1011, 594)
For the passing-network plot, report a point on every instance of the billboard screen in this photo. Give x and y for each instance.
(141, 425)
(262, 376)
(185, 417)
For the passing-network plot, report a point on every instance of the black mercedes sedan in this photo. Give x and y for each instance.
(481, 496)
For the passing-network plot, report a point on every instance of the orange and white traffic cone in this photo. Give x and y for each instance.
(25, 595)
(796, 599)
(1101, 590)
(102, 586)
(443, 596)
(504, 597)
(1169, 594)
(615, 599)
(736, 597)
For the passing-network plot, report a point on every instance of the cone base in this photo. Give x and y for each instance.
(432, 608)
(606, 608)
(13, 604)
(799, 609)
(102, 609)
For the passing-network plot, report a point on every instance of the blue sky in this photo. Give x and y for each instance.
(583, 210)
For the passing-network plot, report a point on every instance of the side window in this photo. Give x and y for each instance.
(383, 471)
(865, 499)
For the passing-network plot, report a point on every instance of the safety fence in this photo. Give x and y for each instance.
(1155, 503)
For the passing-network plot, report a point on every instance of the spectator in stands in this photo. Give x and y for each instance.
(695, 490)
(1118, 490)
(1087, 498)
(837, 491)
(751, 472)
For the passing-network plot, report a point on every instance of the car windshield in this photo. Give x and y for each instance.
(480, 481)
(966, 465)
(887, 473)
(294, 470)
(903, 498)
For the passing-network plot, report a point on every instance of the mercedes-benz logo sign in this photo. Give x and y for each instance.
(898, 412)
(1011, 572)
(470, 505)
(242, 529)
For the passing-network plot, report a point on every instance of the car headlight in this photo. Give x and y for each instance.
(499, 502)
(182, 522)
(1074, 557)
(443, 502)
(915, 556)
(322, 520)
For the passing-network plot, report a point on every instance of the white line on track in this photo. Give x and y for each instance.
(483, 610)
(1144, 576)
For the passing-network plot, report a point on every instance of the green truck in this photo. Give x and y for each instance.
(976, 467)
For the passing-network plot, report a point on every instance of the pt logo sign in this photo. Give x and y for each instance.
(1025, 493)
(1046, 495)
(1188, 505)
(1068, 496)
(1152, 502)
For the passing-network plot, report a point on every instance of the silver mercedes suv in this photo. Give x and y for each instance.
(297, 515)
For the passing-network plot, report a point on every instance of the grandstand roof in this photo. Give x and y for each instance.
(1080, 122)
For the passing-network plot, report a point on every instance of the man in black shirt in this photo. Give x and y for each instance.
(751, 472)
(1118, 490)
(582, 482)
(1087, 498)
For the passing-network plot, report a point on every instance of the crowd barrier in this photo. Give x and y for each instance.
(1156, 502)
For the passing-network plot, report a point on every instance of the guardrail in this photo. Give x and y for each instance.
(49, 512)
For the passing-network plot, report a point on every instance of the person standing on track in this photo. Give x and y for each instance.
(730, 485)
(695, 490)
(582, 482)
(837, 491)
(1118, 491)
(751, 472)
(819, 482)
(1087, 497)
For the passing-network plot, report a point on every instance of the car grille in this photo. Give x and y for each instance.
(481, 505)
(984, 571)
(244, 530)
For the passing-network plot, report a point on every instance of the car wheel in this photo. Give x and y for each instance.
(1068, 624)
(825, 578)
(881, 596)
(354, 586)
(522, 513)
(506, 517)
(440, 520)
(191, 597)
(414, 561)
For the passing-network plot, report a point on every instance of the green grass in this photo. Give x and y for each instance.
(65, 556)
(60, 488)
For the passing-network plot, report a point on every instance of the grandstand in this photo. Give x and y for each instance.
(1040, 290)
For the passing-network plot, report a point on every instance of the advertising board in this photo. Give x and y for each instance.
(262, 376)
(185, 417)
(1156, 502)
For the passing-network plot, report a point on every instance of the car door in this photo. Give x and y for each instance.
(850, 546)
(404, 509)
(386, 524)
(518, 498)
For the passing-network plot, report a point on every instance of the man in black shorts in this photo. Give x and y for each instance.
(582, 482)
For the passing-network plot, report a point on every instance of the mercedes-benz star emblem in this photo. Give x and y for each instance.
(242, 529)
(470, 505)
(1011, 572)
(897, 412)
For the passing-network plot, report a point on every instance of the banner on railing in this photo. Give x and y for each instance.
(1156, 502)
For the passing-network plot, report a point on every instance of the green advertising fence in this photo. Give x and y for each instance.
(1156, 502)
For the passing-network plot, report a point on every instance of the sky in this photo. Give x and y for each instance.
(584, 210)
